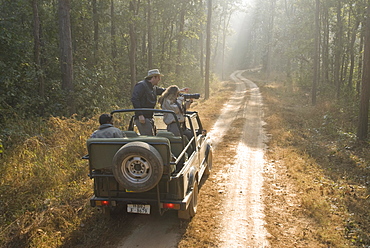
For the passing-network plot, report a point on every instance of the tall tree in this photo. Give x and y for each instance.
(363, 121)
(316, 62)
(352, 53)
(133, 41)
(228, 9)
(360, 61)
(180, 38)
(269, 33)
(37, 52)
(66, 59)
(338, 48)
(150, 35)
(325, 41)
(113, 33)
(96, 30)
(201, 44)
(208, 49)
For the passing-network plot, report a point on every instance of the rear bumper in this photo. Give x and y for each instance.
(105, 202)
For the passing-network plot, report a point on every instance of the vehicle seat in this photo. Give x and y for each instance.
(175, 141)
(130, 134)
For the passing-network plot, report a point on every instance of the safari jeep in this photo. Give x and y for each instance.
(142, 174)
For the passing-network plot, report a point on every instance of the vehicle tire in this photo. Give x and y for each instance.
(193, 205)
(137, 166)
(208, 169)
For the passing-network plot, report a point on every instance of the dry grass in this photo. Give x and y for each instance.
(315, 151)
(43, 184)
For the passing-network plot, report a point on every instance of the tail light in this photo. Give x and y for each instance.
(171, 206)
(105, 203)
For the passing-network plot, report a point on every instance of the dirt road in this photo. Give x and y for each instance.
(239, 184)
(243, 210)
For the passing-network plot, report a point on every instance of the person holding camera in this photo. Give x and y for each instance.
(144, 95)
(172, 100)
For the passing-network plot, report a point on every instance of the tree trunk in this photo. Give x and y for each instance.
(338, 49)
(363, 121)
(352, 54)
(316, 62)
(133, 45)
(180, 38)
(150, 37)
(201, 45)
(113, 35)
(216, 42)
(226, 23)
(266, 67)
(37, 52)
(208, 49)
(201, 62)
(360, 62)
(325, 44)
(66, 60)
(96, 30)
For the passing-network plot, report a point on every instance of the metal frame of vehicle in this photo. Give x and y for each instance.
(184, 164)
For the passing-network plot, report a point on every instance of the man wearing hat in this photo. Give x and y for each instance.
(145, 96)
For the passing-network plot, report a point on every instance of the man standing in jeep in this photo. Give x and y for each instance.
(145, 96)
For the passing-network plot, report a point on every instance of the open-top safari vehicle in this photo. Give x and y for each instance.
(142, 174)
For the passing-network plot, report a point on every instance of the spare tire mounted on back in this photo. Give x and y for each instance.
(137, 166)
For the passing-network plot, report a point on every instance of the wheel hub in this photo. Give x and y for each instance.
(136, 169)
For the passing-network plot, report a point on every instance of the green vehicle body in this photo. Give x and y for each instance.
(181, 162)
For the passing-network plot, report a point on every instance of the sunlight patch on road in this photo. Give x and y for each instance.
(243, 212)
(243, 218)
(228, 115)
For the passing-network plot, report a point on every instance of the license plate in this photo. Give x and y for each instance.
(138, 208)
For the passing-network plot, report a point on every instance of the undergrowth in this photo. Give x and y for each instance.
(44, 183)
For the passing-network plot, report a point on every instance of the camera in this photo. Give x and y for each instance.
(191, 96)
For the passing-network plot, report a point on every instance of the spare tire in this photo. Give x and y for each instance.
(137, 166)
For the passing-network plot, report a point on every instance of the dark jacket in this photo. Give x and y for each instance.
(145, 96)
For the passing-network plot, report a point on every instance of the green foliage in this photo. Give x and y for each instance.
(100, 53)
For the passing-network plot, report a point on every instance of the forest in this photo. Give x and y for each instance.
(66, 57)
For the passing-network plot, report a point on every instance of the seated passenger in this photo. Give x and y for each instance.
(106, 129)
(171, 100)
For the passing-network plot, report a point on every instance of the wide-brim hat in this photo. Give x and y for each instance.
(154, 72)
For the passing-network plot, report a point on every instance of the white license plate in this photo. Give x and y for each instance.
(138, 208)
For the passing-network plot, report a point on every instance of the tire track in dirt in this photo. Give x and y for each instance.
(243, 219)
